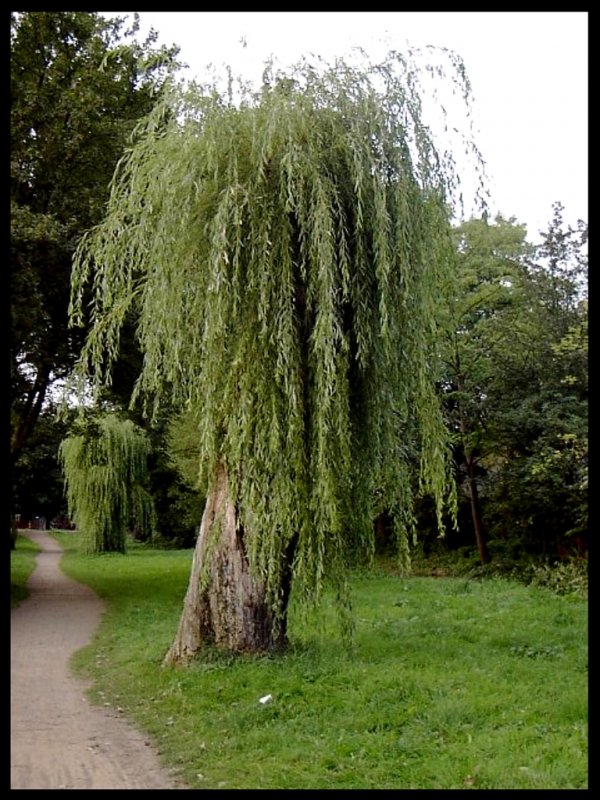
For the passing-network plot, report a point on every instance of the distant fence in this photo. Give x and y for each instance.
(62, 524)
(41, 523)
(34, 523)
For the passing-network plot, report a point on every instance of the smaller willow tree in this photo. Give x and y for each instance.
(105, 468)
(283, 252)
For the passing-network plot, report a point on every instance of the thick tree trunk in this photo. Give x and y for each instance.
(30, 413)
(224, 604)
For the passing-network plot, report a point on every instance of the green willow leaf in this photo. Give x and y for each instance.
(105, 467)
(284, 253)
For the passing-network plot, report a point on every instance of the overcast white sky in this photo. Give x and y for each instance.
(529, 73)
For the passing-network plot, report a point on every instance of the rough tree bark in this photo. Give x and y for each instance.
(225, 605)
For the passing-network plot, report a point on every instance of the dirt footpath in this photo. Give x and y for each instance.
(58, 739)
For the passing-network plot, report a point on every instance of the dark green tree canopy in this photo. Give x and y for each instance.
(514, 381)
(77, 87)
(283, 250)
(78, 83)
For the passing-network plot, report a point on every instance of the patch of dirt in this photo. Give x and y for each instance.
(59, 740)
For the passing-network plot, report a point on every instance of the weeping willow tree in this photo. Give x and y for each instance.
(105, 467)
(282, 251)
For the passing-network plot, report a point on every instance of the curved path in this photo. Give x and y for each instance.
(58, 739)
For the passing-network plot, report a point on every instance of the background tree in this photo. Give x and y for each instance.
(485, 293)
(515, 386)
(302, 234)
(79, 82)
(539, 498)
(106, 472)
(37, 475)
(177, 501)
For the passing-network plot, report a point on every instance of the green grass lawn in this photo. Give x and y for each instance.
(451, 684)
(22, 564)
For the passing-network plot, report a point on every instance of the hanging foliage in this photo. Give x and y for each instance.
(283, 251)
(105, 470)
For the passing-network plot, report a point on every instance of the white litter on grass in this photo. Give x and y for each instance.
(266, 699)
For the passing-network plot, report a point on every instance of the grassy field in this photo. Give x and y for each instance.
(22, 564)
(451, 684)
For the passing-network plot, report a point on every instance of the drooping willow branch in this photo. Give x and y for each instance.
(284, 255)
(105, 469)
